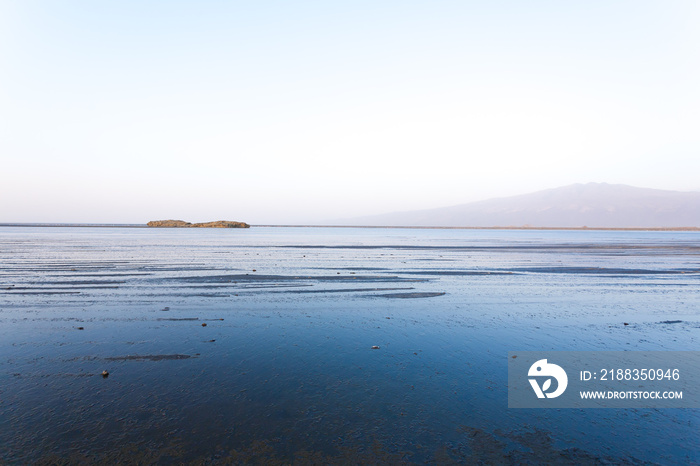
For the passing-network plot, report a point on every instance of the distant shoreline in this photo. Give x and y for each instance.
(135, 225)
(76, 225)
(492, 228)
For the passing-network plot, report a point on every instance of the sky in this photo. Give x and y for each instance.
(303, 112)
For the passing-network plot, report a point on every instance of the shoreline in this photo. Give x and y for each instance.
(136, 225)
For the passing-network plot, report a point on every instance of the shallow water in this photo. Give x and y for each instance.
(285, 369)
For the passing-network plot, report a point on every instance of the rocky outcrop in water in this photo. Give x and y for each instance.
(221, 224)
(183, 224)
(169, 223)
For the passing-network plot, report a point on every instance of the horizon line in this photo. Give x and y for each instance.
(414, 227)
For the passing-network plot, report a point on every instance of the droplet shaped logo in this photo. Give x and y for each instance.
(542, 369)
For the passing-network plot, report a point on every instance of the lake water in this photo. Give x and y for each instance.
(284, 369)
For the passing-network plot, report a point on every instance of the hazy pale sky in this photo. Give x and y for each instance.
(305, 111)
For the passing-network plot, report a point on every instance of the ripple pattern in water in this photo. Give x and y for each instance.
(329, 345)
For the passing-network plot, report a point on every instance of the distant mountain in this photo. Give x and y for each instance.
(592, 205)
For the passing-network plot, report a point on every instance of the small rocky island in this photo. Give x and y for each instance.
(183, 224)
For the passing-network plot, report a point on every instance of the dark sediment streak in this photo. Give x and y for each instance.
(149, 357)
(411, 295)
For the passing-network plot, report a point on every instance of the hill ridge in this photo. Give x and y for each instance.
(594, 205)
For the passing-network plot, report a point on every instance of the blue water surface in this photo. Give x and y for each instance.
(285, 370)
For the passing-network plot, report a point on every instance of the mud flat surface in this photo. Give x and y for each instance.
(283, 345)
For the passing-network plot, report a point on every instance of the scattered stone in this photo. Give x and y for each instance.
(375, 347)
(514, 356)
(204, 324)
(81, 328)
(625, 323)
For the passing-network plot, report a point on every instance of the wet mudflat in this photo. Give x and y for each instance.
(330, 345)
